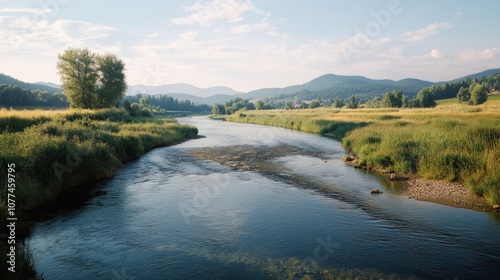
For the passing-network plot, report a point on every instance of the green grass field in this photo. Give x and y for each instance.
(54, 151)
(452, 142)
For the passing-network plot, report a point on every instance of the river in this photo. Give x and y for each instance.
(302, 214)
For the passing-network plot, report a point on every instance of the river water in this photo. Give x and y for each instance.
(170, 215)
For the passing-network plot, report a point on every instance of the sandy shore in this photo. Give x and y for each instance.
(452, 194)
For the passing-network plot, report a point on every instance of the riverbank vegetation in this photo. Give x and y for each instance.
(451, 142)
(55, 151)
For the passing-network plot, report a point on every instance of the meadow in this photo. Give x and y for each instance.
(451, 142)
(55, 151)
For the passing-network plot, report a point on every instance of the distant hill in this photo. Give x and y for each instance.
(331, 86)
(477, 75)
(218, 98)
(180, 88)
(52, 85)
(8, 80)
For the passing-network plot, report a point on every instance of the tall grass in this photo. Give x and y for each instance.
(57, 151)
(451, 142)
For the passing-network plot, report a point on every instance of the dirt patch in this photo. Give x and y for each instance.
(452, 194)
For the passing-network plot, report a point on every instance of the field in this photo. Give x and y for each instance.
(452, 142)
(55, 151)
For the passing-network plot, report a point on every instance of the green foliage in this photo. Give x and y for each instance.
(168, 103)
(353, 103)
(263, 104)
(234, 105)
(425, 99)
(60, 152)
(392, 99)
(478, 94)
(289, 105)
(445, 144)
(463, 95)
(91, 81)
(111, 84)
(315, 104)
(14, 96)
(339, 103)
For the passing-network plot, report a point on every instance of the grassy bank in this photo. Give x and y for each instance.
(451, 142)
(57, 151)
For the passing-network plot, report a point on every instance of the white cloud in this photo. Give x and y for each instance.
(474, 55)
(435, 53)
(245, 28)
(206, 13)
(19, 33)
(429, 30)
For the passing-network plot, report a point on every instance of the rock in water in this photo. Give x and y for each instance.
(496, 206)
(394, 176)
(376, 191)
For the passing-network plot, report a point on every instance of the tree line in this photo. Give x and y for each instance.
(168, 103)
(14, 96)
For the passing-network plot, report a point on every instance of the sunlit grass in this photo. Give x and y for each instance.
(55, 151)
(452, 142)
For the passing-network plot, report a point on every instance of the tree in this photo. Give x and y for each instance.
(218, 109)
(111, 84)
(393, 99)
(289, 105)
(145, 102)
(339, 103)
(262, 104)
(315, 104)
(463, 95)
(425, 98)
(304, 105)
(353, 103)
(404, 102)
(478, 93)
(91, 81)
(77, 68)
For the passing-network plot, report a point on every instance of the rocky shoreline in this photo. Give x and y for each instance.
(452, 194)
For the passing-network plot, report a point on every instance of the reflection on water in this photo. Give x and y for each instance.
(170, 215)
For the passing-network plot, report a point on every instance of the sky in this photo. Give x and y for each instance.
(252, 44)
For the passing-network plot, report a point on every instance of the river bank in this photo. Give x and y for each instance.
(451, 194)
(53, 153)
(455, 144)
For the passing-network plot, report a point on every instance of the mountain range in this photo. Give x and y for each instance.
(326, 86)
(8, 80)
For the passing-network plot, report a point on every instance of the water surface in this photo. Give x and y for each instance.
(169, 215)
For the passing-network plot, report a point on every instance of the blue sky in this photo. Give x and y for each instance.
(251, 44)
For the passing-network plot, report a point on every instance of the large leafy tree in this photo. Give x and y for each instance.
(111, 84)
(425, 98)
(478, 93)
(91, 81)
(78, 70)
